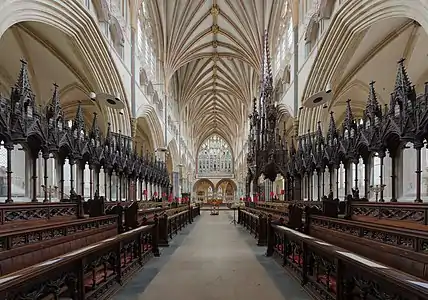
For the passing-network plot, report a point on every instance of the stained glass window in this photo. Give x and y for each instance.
(215, 157)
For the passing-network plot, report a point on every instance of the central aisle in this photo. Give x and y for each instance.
(213, 262)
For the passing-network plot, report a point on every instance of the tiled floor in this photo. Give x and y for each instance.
(212, 259)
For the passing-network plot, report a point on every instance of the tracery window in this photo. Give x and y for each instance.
(285, 41)
(215, 157)
(145, 43)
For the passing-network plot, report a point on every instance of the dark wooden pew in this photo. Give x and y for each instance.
(21, 215)
(397, 214)
(255, 224)
(29, 245)
(290, 215)
(401, 248)
(173, 221)
(329, 272)
(93, 272)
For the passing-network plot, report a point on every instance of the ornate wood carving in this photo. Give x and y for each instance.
(45, 130)
(381, 130)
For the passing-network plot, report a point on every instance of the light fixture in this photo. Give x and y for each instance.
(112, 101)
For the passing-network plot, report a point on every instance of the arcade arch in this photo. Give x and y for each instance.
(226, 190)
(56, 50)
(380, 36)
(204, 190)
(148, 122)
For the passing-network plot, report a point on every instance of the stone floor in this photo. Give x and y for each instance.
(212, 259)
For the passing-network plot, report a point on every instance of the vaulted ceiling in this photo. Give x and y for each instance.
(212, 51)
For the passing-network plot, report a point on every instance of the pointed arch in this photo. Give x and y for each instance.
(173, 152)
(311, 32)
(102, 10)
(150, 122)
(203, 182)
(143, 77)
(347, 23)
(74, 20)
(326, 8)
(117, 34)
(229, 181)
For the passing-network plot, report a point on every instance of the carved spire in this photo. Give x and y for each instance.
(293, 147)
(108, 135)
(402, 81)
(79, 122)
(22, 84)
(309, 141)
(372, 102)
(320, 137)
(94, 133)
(22, 94)
(254, 106)
(332, 130)
(373, 108)
(268, 70)
(54, 110)
(262, 71)
(349, 118)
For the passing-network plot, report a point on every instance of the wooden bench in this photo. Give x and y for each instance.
(172, 222)
(93, 272)
(398, 214)
(255, 224)
(329, 272)
(28, 245)
(21, 215)
(402, 248)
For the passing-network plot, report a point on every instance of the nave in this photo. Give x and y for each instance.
(212, 259)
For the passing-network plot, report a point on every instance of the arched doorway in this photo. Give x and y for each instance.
(226, 191)
(204, 190)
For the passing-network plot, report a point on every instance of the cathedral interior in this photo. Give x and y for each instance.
(123, 123)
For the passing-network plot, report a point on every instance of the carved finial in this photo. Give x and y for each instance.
(108, 134)
(268, 70)
(319, 129)
(22, 95)
(372, 101)
(332, 127)
(402, 81)
(349, 117)
(79, 122)
(95, 131)
(293, 146)
(54, 110)
(23, 82)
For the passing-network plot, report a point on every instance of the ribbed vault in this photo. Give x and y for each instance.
(213, 49)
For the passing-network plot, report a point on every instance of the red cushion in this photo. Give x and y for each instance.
(128, 259)
(279, 247)
(147, 247)
(99, 277)
(328, 281)
(296, 259)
